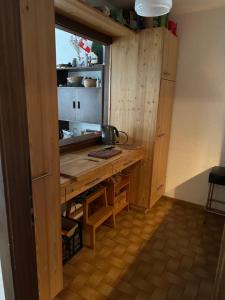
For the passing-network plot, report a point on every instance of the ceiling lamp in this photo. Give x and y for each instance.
(152, 8)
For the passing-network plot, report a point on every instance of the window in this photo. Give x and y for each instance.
(81, 85)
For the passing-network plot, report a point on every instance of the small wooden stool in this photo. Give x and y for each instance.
(118, 190)
(93, 221)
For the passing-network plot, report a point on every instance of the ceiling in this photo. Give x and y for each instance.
(179, 6)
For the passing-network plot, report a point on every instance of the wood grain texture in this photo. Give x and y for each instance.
(162, 139)
(170, 53)
(38, 27)
(17, 237)
(84, 173)
(219, 290)
(88, 16)
(135, 84)
(141, 104)
(169, 253)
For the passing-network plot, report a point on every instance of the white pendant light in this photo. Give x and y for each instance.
(152, 8)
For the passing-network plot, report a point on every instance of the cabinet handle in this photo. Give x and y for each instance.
(40, 177)
(93, 181)
(78, 104)
(74, 104)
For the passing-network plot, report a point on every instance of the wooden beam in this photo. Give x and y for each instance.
(84, 31)
(81, 12)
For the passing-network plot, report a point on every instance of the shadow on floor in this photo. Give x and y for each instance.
(168, 254)
(197, 186)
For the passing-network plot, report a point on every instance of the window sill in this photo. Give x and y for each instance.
(80, 142)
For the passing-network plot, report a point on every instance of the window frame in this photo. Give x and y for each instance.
(76, 28)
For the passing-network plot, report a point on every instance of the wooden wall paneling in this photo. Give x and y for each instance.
(136, 70)
(170, 53)
(38, 27)
(124, 56)
(149, 70)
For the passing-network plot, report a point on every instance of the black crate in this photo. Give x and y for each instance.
(71, 245)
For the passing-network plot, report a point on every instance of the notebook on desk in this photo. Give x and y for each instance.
(104, 153)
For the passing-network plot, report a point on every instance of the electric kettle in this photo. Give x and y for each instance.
(110, 134)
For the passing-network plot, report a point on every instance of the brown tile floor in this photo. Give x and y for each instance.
(168, 254)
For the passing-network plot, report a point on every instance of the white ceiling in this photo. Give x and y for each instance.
(179, 6)
(187, 6)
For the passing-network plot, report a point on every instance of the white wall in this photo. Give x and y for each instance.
(2, 294)
(198, 126)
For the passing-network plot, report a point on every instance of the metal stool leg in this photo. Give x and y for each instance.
(210, 196)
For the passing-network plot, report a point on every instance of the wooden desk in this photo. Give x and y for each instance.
(82, 172)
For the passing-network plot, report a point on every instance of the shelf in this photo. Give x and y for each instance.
(91, 17)
(79, 87)
(81, 69)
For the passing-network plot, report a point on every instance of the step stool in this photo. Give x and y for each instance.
(93, 220)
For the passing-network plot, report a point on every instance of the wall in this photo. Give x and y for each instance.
(2, 294)
(198, 127)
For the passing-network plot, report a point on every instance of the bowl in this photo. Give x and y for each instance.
(90, 82)
(75, 80)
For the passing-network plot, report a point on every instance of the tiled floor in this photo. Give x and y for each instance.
(169, 254)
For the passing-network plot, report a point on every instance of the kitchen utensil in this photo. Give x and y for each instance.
(110, 135)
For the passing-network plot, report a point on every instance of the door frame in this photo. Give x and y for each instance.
(17, 247)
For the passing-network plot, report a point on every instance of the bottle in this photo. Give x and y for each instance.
(97, 83)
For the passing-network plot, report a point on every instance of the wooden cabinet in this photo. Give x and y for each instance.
(160, 156)
(80, 104)
(142, 103)
(162, 139)
(170, 52)
(165, 106)
(38, 25)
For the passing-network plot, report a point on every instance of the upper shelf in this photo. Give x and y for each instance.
(91, 17)
(80, 69)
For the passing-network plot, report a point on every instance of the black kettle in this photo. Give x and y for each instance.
(110, 134)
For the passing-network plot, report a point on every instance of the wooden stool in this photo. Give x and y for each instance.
(98, 217)
(118, 191)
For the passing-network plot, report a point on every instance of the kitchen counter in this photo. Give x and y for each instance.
(79, 172)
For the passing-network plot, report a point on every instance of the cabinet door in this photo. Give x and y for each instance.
(66, 103)
(161, 147)
(159, 168)
(170, 52)
(38, 27)
(89, 105)
(165, 106)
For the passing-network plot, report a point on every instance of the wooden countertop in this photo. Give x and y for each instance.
(76, 166)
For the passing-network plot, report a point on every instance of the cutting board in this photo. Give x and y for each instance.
(105, 154)
(77, 167)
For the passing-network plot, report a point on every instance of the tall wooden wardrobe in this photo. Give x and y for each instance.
(38, 42)
(142, 91)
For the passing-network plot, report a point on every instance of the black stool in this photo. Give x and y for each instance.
(216, 176)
